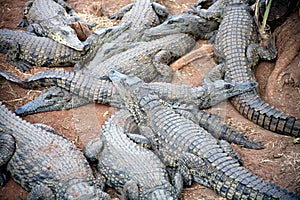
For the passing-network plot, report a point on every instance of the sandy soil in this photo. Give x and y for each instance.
(279, 162)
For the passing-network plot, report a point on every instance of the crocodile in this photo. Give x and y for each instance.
(44, 163)
(237, 49)
(57, 99)
(48, 18)
(183, 144)
(24, 50)
(187, 23)
(137, 173)
(142, 15)
(102, 91)
(148, 60)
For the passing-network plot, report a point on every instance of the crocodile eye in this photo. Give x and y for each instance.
(48, 96)
(228, 86)
(65, 32)
(170, 21)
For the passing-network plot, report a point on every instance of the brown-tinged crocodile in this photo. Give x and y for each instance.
(44, 163)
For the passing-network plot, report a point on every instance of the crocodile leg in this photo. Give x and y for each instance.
(24, 22)
(216, 73)
(256, 51)
(119, 15)
(7, 149)
(41, 192)
(36, 29)
(213, 12)
(12, 54)
(130, 190)
(160, 62)
(93, 149)
(230, 151)
(66, 6)
(187, 164)
(160, 10)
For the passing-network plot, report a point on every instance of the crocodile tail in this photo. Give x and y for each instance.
(251, 106)
(235, 182)
(60, 78)
(213, 124)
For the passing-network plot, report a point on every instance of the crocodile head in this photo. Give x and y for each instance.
(67, 36)
(191, 24)
(129, 88)
(51, 99)
(85, 190)
(220, 90)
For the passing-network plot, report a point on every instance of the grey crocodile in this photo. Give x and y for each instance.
(57, 99)
(101, 90)
(179, 142)
(141, 15)
(44, 163)
(50, 19)
(148, 60)
(237, 48)
(24, 50)
(187, 23)
(134, 171)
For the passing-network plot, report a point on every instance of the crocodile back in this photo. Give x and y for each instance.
(236, 33)
(40, 12)
(142, 17)
(178, 137)
(38, 51)
(175, 131)
(133, 163)
(140, 60)
(42, 157)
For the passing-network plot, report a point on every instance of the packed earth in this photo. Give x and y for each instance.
(279, 81)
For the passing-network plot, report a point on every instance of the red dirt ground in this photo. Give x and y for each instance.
(279, 162)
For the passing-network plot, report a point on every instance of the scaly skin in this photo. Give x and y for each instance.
(179, 142)
(24, 50)
(137, 173)
(91, 89)
(237, 47)
(141, 15)
(45, 163)
(48, 18)
(186, 23)
(101, 90)
(148, 60)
